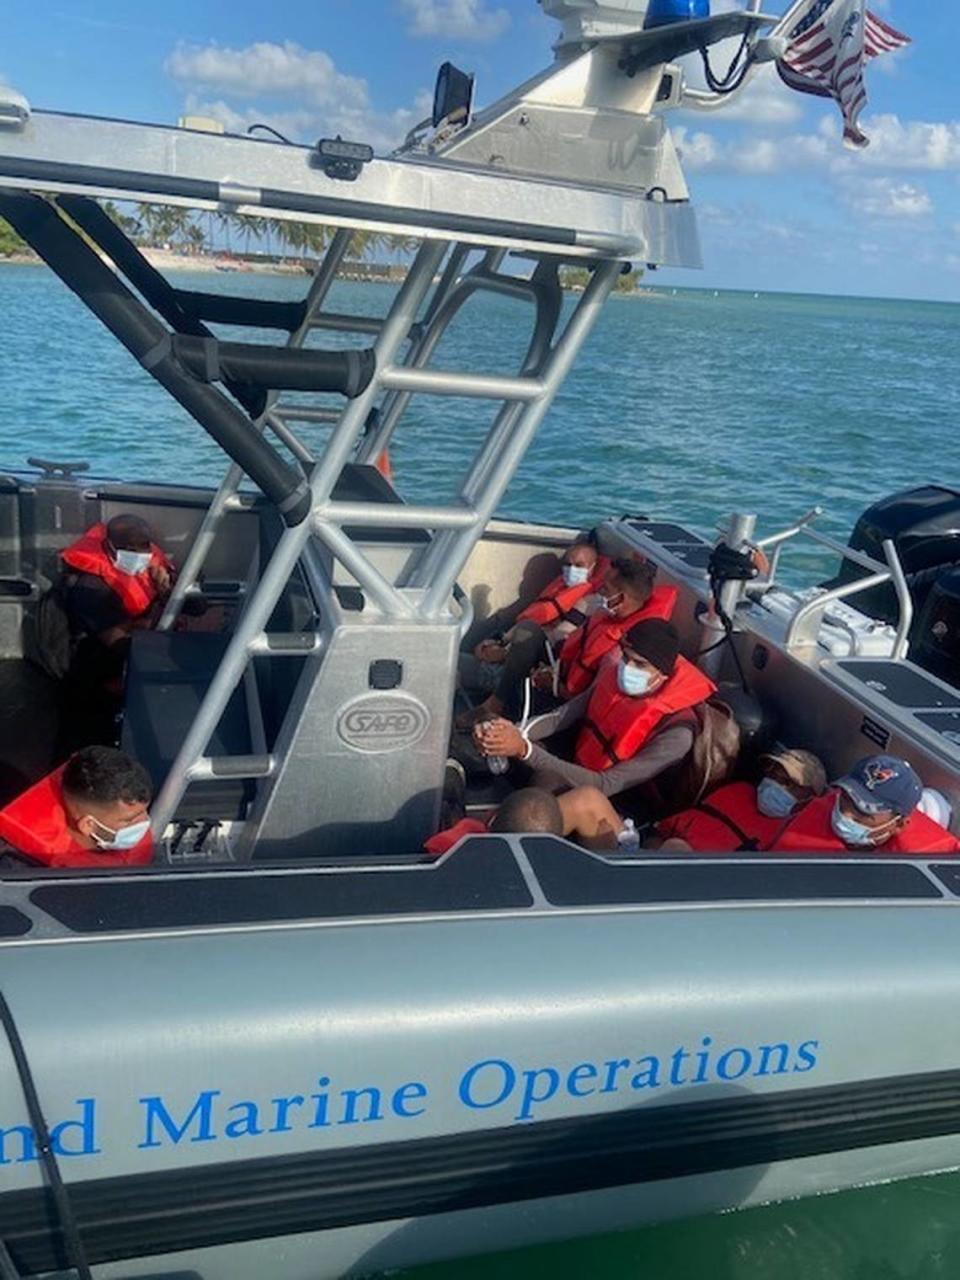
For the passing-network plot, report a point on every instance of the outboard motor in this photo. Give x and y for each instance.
(924, 525)
(936, 642)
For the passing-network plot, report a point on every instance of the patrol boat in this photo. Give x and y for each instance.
(294, 1047)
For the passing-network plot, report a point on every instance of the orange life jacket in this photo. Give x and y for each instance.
(583, 652)
(810, 831)
(444, 841)
(617, 726)
(136, 590)
(727, 821)
(556, 600)
(35, 824)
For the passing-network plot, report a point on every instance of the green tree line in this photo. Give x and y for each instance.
(153, 226)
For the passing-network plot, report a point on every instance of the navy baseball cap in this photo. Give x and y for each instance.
(882, 784)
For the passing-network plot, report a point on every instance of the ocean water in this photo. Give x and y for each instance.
(686, 406)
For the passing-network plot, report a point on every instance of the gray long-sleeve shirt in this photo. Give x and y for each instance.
(664, 750)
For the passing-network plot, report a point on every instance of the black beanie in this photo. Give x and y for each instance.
(657, 641)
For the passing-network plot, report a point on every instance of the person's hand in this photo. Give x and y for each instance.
(160, 577)
(490, 651)
(542, 677)
(500, 738)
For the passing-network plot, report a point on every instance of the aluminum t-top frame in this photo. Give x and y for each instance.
(467, 217)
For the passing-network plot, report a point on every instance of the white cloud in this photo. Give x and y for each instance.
(913, 144)
(896, 145)
(456, 19)
(383, 130)
(245, 86)
(887, 198)
(765, 100)
(266, 69)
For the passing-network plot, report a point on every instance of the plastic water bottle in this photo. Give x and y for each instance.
(628, 841)
(496, 764)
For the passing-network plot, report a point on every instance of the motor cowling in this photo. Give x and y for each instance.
(936, 641)
(924, 526)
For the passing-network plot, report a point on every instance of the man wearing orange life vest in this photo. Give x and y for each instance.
(873, 809)
(115, 577)
(626, 596)
(527, 810)
(92, 812)
(504, 659)
(742, 817)
(114, 582)
(637, 721)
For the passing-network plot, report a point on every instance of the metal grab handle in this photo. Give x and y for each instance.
(775, 539)
(800, 633)
(467, 611)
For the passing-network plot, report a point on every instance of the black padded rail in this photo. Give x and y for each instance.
(148, 341)
(481, 876)
(253, 313)
(13, 923)
(347, 373)
(901, 684)
(149, 282)
(741, 1134)
(569, 877)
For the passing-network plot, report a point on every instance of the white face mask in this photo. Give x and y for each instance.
(774, 800)
(132, 562)
(575, 575)
(125, 838)
(857, 834)
(633, 681)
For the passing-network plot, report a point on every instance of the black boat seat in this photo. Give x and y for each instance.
(167, 677)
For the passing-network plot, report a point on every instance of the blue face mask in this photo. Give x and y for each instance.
(856, 833)
(774, 800)
(575, 575)
(632, 680)
(125, 838)
(133, 562)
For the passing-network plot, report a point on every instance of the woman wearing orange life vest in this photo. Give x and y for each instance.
(637, 721)
(92, 812)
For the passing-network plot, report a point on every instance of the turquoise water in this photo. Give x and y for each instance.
(686, 406)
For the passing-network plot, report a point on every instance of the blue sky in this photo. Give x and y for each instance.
(782, 204)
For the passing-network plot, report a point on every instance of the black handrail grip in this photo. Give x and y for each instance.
(257, 313)
(79, 267)
(279, 368)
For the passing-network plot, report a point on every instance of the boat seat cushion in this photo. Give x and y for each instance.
(167, 677)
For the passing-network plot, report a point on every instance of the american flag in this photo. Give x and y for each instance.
(830, 43)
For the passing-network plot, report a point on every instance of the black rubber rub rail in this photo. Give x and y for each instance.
(155, 1213)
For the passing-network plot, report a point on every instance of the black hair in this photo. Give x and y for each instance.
(530, 809)
(104, 775)
(586, 538)
(126, 531)
(637, 575)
